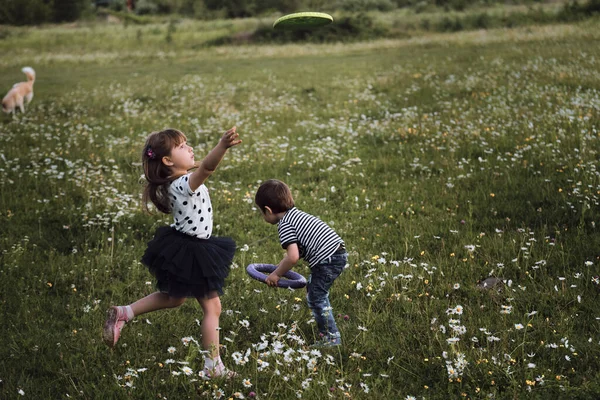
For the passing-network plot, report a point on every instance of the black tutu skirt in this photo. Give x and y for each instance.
(185, 266)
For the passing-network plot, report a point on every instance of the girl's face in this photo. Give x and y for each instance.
(181, 158)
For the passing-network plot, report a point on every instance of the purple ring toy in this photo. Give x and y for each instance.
(290, 280)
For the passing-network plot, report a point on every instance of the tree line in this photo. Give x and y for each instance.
(33, 12)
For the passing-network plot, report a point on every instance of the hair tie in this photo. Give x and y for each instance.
(151, 154)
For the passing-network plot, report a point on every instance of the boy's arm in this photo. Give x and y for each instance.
(292, 256)
(209, 164)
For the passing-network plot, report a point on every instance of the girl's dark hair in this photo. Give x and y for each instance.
(274, 194)
(158, 175)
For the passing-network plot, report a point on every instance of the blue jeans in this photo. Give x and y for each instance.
(320, 280)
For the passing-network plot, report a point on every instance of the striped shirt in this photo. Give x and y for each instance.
(315, 239)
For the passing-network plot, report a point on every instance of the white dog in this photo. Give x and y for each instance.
(20, 91)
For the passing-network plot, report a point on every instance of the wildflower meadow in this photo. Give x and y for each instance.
(461, 169)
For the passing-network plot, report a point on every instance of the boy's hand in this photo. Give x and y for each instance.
(272, 279)
(291, 257)
(230, 138)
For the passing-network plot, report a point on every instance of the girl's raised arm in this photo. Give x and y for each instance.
(209, 164)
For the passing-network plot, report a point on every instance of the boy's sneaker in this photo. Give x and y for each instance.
(115, 320)
(331, 341)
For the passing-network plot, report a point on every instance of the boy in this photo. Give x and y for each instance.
(305, 236)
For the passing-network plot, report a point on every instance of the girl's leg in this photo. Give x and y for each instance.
(210, 325)
(117, 316)
(213, 366)
(155, 301)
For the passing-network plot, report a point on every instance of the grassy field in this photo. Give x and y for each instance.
(441, 160)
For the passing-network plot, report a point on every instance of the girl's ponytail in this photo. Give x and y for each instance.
(158, 194)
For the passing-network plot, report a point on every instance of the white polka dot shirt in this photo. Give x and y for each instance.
(191, 210)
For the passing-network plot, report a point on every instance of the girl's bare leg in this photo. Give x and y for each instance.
(155, 301)
(210, 325)
(118, 316)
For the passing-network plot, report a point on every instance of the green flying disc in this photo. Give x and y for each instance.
(303, 20)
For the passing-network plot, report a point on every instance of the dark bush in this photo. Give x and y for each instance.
(25, 12)
(574, 11)
(69, 10)
(146, 7)
(592, 7)
(32, 12)
(447, 24)
(481, 21)
(365, 5)
(249, 8)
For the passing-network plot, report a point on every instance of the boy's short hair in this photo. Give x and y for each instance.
(274, 194)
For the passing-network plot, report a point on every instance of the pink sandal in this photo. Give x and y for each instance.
(115, 320)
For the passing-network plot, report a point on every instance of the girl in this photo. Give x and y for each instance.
(185, 259)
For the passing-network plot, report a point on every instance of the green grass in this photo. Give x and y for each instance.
(440, 159)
